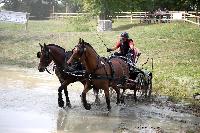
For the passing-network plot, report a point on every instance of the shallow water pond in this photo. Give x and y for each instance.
(29, 105)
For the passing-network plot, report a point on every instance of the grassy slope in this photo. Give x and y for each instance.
(175, 47)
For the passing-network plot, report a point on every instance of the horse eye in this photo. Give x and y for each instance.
(38, 54)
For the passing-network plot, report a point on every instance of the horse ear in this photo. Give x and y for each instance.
(38, 54)
(41, 45)
(79, 40)
(45, 45)
(82, 41)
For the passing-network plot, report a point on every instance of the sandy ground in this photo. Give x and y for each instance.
(29, 105)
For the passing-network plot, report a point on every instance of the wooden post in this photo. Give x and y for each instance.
(140, 18)
(131, 18)
(26, 24)
(66, 10)
(184, 17)
(53, 9)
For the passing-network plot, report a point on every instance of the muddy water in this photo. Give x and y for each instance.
(29, 105)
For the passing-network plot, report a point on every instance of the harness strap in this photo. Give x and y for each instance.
(112, 69)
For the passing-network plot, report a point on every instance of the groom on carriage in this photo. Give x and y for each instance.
(127, 49)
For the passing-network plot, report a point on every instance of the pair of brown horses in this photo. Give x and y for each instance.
(101, 73)
(58, 55)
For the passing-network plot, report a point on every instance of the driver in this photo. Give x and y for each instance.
(125, 46)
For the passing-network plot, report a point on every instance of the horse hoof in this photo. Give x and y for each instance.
(87, 106)
(109, 108)
(68, 104)
(61, 103)
(122, 99)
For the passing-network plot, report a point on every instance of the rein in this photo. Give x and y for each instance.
(48, 71)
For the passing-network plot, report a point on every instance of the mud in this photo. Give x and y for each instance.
(29, 105)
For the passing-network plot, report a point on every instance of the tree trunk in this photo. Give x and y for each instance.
(102, 16)
(197, 14)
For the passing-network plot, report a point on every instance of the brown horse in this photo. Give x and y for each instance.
(100, 73)
(57, 54)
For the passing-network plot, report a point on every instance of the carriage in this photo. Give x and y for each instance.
(140, 80)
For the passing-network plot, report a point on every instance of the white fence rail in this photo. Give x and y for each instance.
(144, 17)
(65, 15)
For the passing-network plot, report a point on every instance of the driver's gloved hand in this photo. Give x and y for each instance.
(109, 49)
(130, 51)
(138, 54)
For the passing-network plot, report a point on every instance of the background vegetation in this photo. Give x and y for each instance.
(175, 48)
(104, 8)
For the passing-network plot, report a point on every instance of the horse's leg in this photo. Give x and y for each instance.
(106, 91)
(118, 94)
(60, 99)
(65, 84)
(96, 92)
(135, 97)
(122, 96)
(86, 105)
(68, 104)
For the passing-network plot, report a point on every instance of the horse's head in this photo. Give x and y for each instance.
(78, 51)
(45, 57)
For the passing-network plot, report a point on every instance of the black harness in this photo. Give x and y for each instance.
(92, 76)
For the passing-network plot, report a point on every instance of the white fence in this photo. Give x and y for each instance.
(65, 15)
(144, 17)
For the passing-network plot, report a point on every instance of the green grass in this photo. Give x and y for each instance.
(175, 47)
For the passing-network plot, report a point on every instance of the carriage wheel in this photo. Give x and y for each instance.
(144, 85)
(149, 87)
(141, 85)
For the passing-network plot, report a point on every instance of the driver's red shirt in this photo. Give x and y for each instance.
(130, 42)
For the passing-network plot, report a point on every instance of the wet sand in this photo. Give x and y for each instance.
(29, 105)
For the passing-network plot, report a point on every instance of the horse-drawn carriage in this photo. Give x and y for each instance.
(97, 73)
(139, 80)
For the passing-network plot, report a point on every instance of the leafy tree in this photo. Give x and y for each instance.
(73, 5)
(103, 8)
(38, 8)
(13, 5)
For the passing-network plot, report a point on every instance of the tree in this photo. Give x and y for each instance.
(73, 5)
(13, 5)
(38, 8)
(105, 8)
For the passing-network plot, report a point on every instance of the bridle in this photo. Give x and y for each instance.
(46, 55)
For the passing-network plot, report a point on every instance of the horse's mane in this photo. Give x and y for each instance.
(56, 46)
(86, 43)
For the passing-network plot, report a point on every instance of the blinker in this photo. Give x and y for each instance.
(38, 54)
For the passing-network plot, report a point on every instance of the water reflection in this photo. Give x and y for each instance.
(72, 121)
